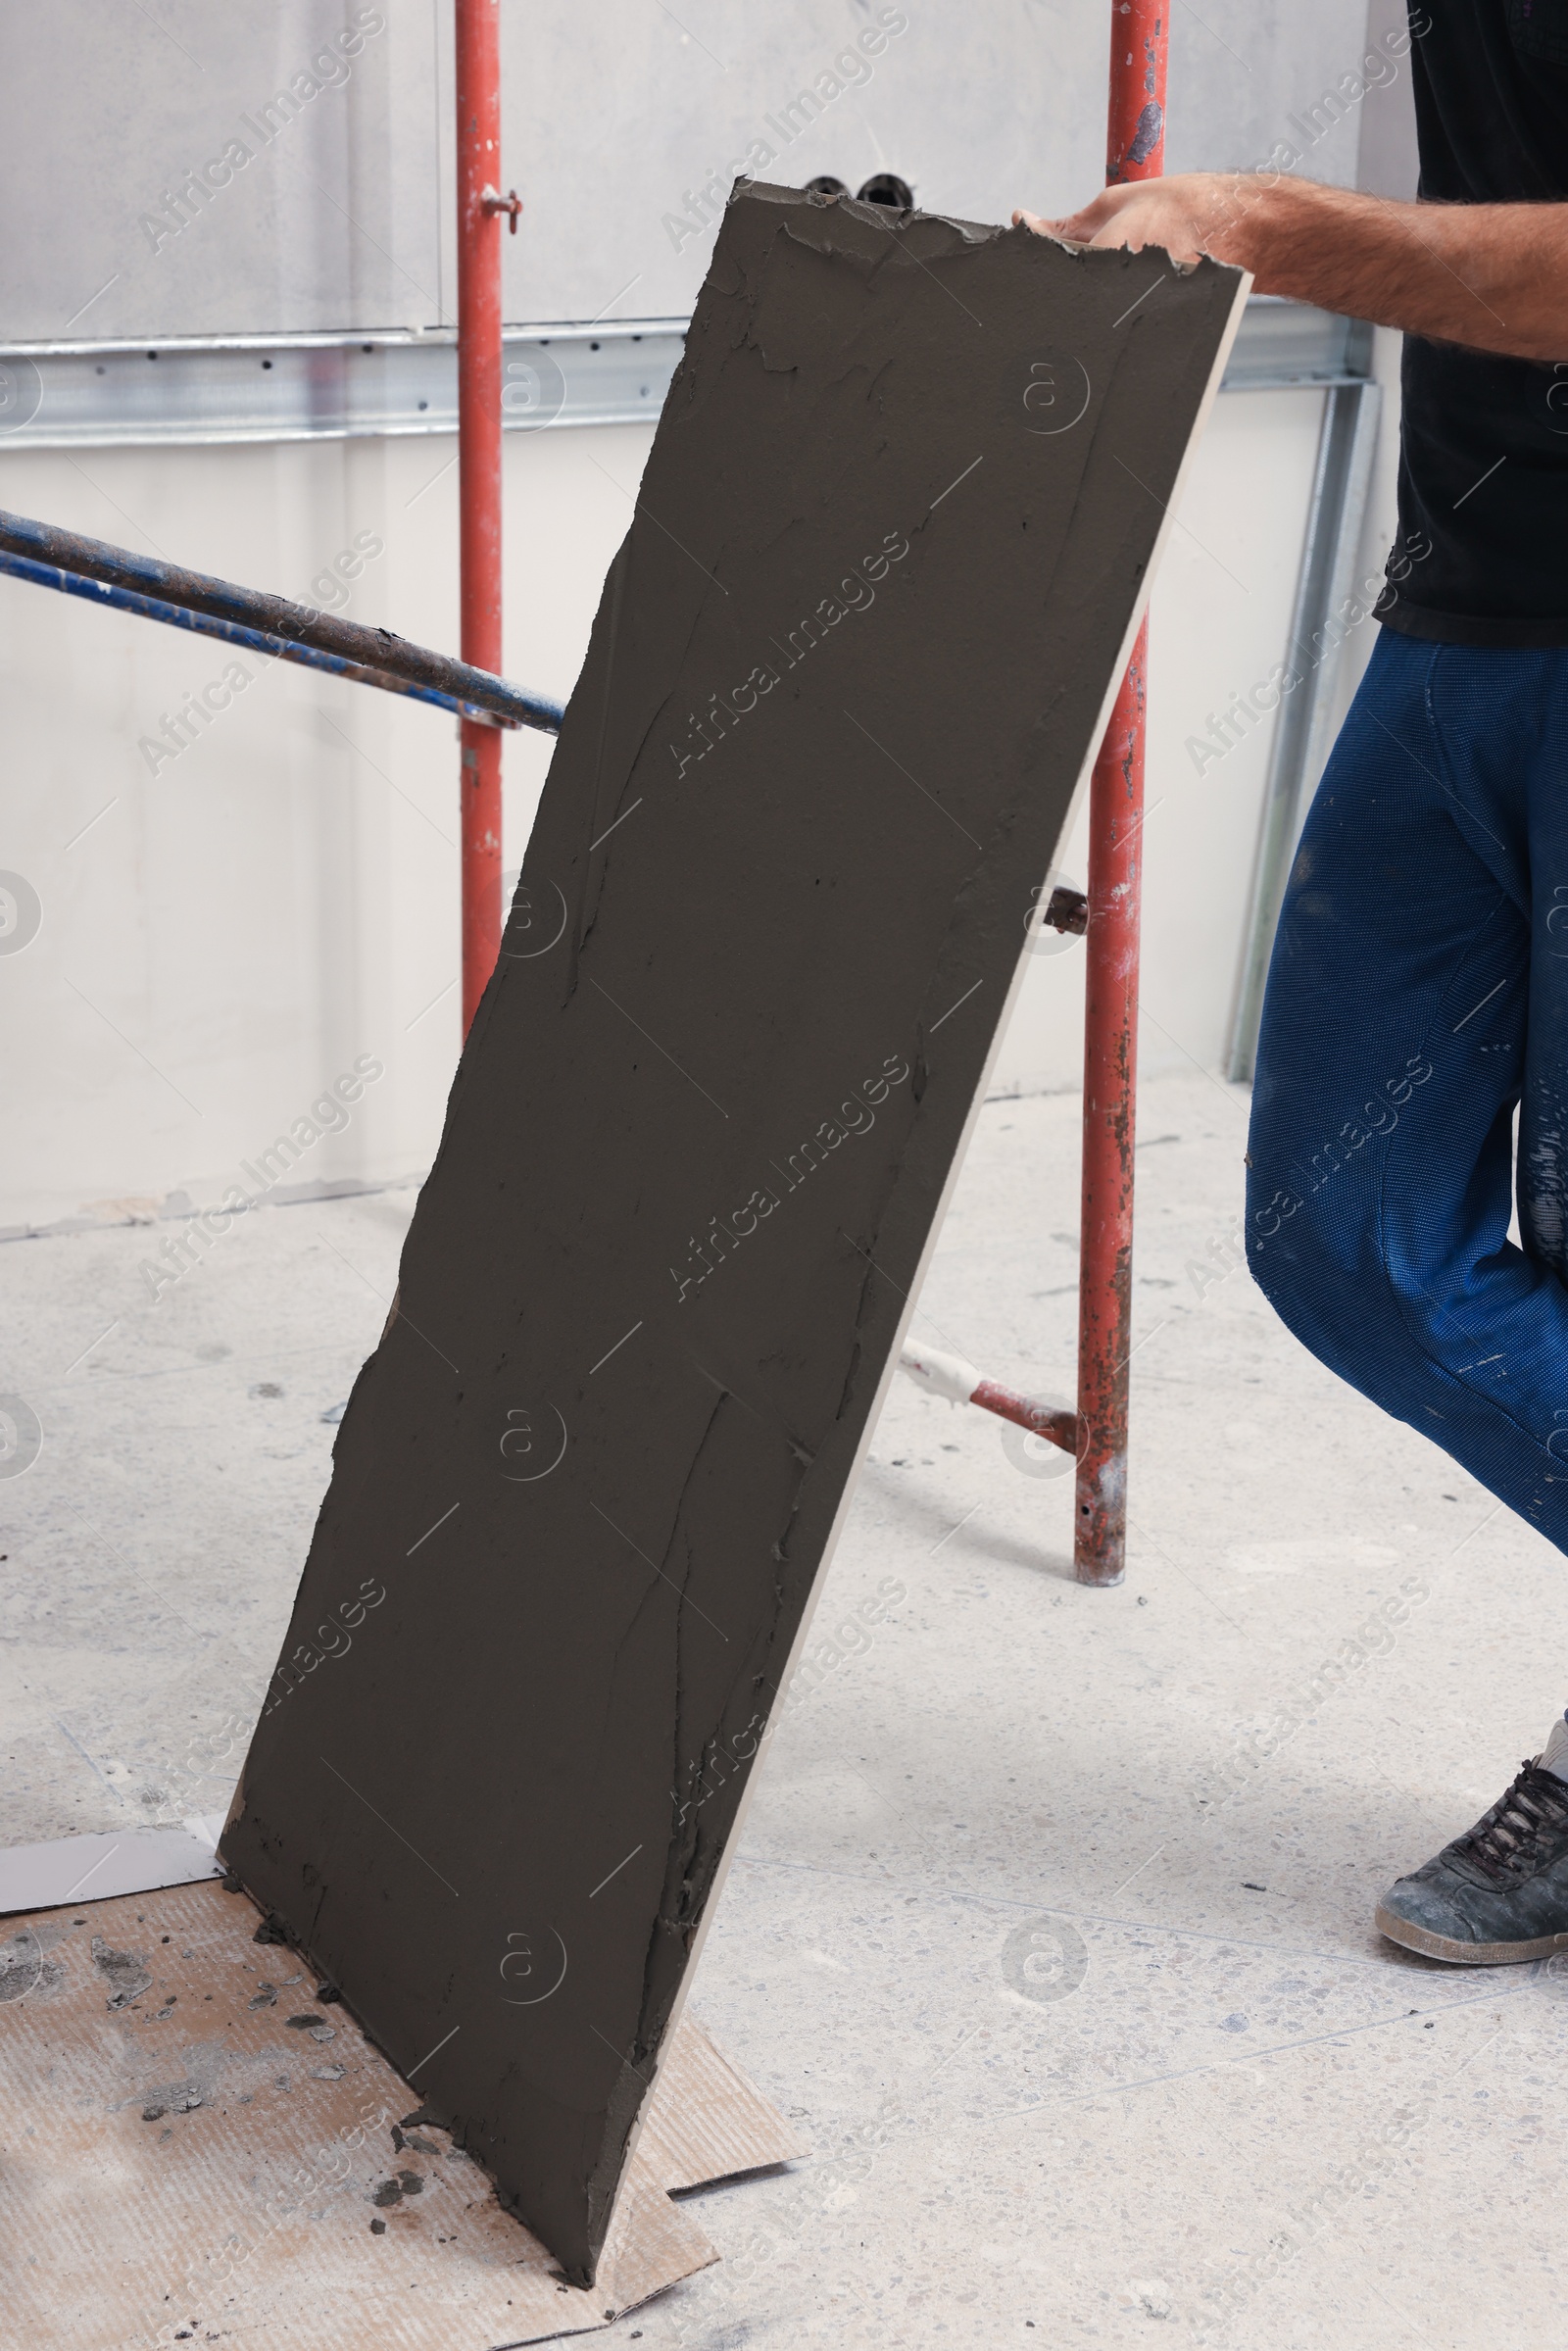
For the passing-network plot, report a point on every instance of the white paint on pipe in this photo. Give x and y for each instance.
(939, 1373)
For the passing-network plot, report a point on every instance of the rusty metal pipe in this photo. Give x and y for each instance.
(957, 1379)
(1135, 149)
(371, 649)
(479, 378)
(109, 598)
(1040, 1420)
(1110, 1074)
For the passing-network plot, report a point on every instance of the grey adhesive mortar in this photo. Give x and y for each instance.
(848, 670)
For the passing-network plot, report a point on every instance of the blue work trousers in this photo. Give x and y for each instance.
(1418, 994)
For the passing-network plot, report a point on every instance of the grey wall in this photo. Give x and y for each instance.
(330, 223)
(1387, 162)
(341, 218)
(227, 934)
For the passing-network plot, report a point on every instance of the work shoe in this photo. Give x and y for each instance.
(1501, 1892)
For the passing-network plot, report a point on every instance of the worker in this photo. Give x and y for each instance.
(1418, 990)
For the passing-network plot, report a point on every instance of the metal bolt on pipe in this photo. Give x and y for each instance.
(1134, 150)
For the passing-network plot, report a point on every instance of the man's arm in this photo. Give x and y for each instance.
(1494, 277)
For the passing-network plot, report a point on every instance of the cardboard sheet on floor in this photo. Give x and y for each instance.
(195, 2148)
(850, 664)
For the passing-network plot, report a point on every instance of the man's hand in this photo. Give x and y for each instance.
(1189, 215)
(1491, 276)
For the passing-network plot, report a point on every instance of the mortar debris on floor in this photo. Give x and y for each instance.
(1052, 1926)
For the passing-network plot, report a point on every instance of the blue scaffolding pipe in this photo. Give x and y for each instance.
(112, 576)
(232, 632)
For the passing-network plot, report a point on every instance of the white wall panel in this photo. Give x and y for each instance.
(1218, 618)
(330, 221)
(613, 116)
(222, 938)
(234, 929)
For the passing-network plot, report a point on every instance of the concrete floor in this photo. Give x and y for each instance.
(1069, 1977)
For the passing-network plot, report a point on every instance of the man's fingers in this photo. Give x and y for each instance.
(1084, 226)
(1076, 232)
(1109, 202)
(1132, 217)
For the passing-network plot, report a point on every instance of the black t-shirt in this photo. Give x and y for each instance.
(1484, 446)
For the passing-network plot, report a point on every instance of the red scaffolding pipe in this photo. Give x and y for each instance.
(478, 81)
(1134, 150)
(1136, 144)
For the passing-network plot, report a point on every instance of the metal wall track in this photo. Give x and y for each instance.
(312, 387)
(324, 388)
(1314, 652)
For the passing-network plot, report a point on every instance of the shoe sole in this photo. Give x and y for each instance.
(1463, 1954)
